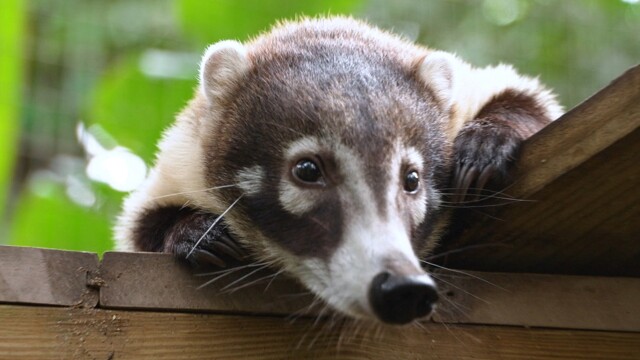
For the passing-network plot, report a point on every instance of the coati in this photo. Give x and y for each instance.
(326, 146)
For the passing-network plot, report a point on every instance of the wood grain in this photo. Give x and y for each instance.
(65, 333)
(582, 175)
(600, 121)
(44, 276)
(552, 301)
(157, 281)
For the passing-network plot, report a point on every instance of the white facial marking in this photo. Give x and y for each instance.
(414, 158)
(370, 242)
(305, 145)
(250, 180)
(295, 199)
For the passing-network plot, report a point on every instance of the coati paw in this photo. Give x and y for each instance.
(202, 245)
(485, 154)
(217, 250)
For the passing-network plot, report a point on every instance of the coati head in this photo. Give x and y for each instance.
(335, 137)
(325, 146)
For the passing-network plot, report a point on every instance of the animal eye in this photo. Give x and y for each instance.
(411, 181)
(307, 171)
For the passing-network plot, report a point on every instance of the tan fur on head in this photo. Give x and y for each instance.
(437, 71)
(222, 67)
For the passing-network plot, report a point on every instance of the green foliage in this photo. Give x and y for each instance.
(576, 47)
(48, 218)
(207, 22)
(134, 108)
(11, 66)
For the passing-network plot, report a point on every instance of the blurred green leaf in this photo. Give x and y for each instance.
(134, 108)
(11, 67)
(210, 21)
(49, 219)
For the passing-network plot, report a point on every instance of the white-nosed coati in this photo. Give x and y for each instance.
(325, 146)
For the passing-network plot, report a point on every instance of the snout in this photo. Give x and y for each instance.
(400, 299)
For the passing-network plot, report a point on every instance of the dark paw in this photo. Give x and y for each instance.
(195, 240)
(485, 154)
(217, 250)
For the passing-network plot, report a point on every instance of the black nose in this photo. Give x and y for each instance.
(401, 299)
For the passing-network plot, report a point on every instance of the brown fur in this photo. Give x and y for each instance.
(340, 83)
(358, 97)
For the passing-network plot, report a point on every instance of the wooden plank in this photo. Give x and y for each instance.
(582, 176)
(553, 301)
(156, 281)
(43, 276)
(61, 333)
(599, 122)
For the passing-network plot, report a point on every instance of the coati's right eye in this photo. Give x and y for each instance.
(307, 171)
(411, 181)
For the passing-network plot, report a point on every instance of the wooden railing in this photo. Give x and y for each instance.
(583, 175)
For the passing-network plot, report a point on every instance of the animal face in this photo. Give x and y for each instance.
(322, 145)
(339, 222)
(337, 155)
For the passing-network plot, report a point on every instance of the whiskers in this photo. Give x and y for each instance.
(481, 198)
(217, 220)
(463, 273)
(458, 291)
(220, 274)
(195, 191)
(334, 328)
(464, 248)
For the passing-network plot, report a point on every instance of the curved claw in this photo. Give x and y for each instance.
(484, 155)
(225, 248)
(461, 173)
(484, 177)
(464, 180)
(201, 256)
(469, 178)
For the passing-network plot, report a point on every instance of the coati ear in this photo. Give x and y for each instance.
(439, 71)
(223, 65)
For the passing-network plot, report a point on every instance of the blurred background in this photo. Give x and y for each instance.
(86, 87)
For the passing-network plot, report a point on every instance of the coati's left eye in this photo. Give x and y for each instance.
(306, 170)
(411, 181)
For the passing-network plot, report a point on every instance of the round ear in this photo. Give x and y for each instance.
(223, 65)
(439, 71)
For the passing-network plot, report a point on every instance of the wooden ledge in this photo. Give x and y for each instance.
(64, 333)
(156, 282)
(581, 179)
(48, 277)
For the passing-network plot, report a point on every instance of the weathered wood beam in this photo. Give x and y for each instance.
(582, 177)
(68, 333)
(44, 276)
(157, 281)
